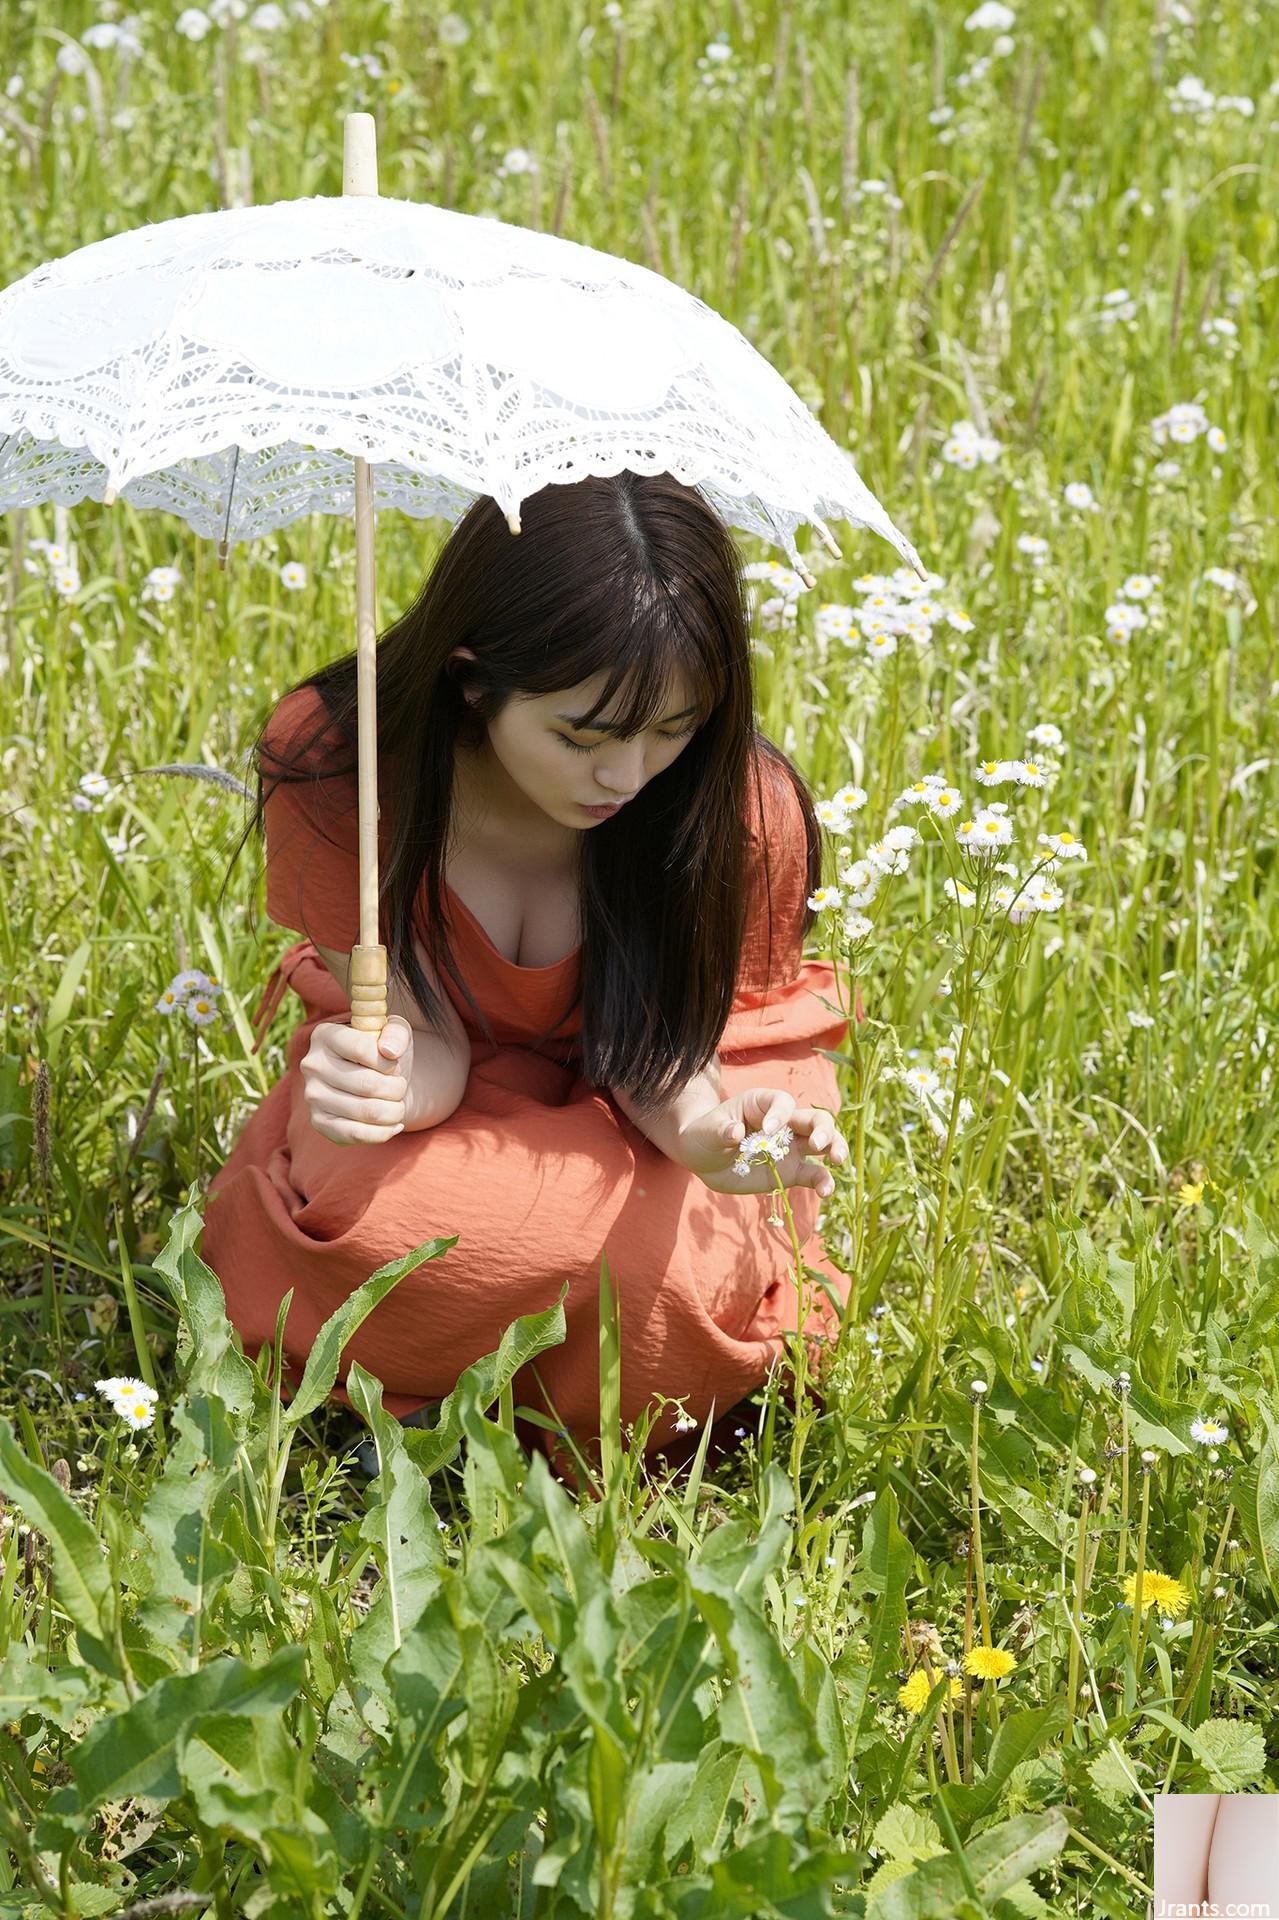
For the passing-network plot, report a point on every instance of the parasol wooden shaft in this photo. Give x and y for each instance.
(368, 959)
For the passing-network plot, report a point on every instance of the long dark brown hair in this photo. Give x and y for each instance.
(630, 575)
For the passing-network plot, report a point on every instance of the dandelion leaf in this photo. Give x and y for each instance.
(998, 1860)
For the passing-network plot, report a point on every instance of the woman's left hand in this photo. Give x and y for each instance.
(708, 1146)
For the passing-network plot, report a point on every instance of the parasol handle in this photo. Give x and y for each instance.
(368, 959)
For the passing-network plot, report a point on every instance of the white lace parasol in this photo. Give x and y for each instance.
(242, 368)
(226, 367)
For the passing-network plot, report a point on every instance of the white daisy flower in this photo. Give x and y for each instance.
(1027, 773)
(985, 831)
(857, 926)
(293, 575)
(958, 620)
(1217, 440)
(1046, 734)
(201, 1010)
(920, 791)
(859, 881)
(991, 13)
(1223, 577)
(943, 802)
(192, 24)
(1138, 1019)
(903, 836)
(1139, 586)
(1120, 614)
(1078, 494)
(1032, 544)
(1064, 845)
(782, 580)
(95, 784)
(825, 900)
(880, 645)
(887, 859)
(1209, 1432)
(773, 1146)
(850, 798)
(921, 1080)
(993, 773)
(957, 891)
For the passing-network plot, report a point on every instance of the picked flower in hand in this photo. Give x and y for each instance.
(737, 1145)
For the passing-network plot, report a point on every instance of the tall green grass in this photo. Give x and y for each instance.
(233, 1671)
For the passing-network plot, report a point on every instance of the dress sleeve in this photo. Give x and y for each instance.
(312, 835)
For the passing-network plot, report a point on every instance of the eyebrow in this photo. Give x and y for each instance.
(584, 726)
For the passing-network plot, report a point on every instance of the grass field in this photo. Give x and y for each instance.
(932, 1646)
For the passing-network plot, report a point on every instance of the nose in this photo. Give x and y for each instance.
(618, 785)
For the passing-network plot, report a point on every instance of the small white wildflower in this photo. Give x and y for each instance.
(1078, 494)
(921, 1080)
(993, 773)
(773, 1146)
(825, 900)
(886, 859)
(920, 791)
(1046, 734)
(1064, 845)
(857, 926)
(987, 830)
(943, 802)
(1210, 1431)
(956, 890)
(192, 24)
(293, 575)
(850, 798)
(1138, 1019)
(990, 14)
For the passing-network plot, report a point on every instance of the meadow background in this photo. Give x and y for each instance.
(889, 1656)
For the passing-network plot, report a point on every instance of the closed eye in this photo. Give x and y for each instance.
(575, 748)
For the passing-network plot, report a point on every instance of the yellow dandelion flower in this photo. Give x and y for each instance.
(1157, 1590)
(1191, 1193)
(914, 1695)
(988, 1663)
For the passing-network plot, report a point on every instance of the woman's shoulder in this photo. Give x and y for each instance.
(300, 719)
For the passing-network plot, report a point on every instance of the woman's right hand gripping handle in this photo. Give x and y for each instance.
(358, 1085)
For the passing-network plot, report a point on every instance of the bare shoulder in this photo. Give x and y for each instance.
(398, 999)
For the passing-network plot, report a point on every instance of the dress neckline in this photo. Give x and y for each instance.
(478, 924)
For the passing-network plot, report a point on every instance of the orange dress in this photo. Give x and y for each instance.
(537, 1172)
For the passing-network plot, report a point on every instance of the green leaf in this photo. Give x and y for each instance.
(325, 1357)
(1020, 1735)
(136, 1750)
(526, 1337)
(997, 1860)
(1232, 1752)
(59, 1009)
(82, 1582)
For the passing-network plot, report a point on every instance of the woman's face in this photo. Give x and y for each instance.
(534, 756)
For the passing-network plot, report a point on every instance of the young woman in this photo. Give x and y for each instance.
(587, 1011)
